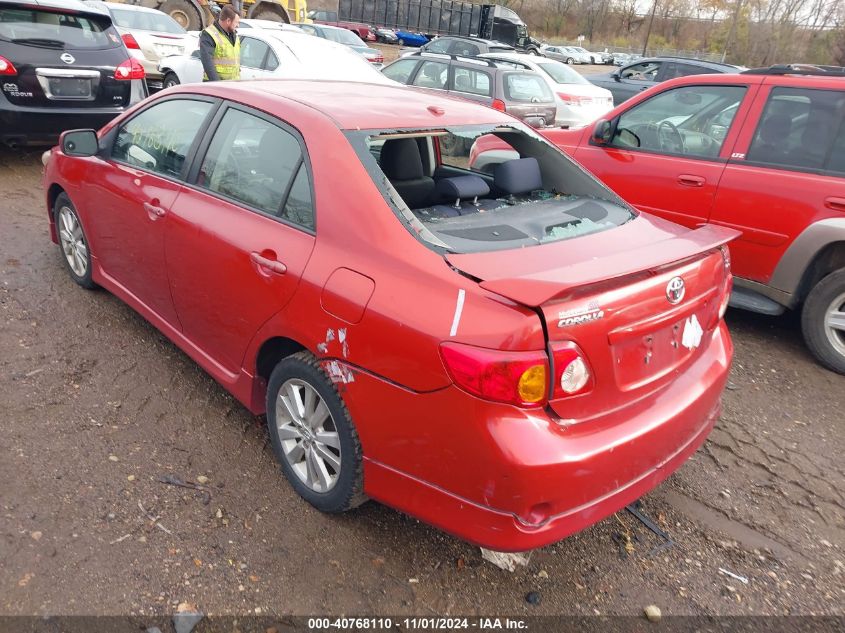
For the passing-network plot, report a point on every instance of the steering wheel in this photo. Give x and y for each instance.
(669, 137)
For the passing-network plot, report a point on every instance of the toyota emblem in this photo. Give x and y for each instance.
(67, 58)
(675, 290)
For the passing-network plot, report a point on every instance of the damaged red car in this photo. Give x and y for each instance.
(510, 355)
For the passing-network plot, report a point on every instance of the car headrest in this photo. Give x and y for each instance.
(518, 176)
(462, 187)
(400, 159)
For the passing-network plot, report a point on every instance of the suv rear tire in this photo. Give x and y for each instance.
(826, 342)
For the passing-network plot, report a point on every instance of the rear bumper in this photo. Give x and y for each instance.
(511, 480)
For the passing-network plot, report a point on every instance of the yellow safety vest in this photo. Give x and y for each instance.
(227, 56)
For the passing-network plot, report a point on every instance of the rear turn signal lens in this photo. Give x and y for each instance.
(572, 373)
(130, 41)
(518, 378)
(6, 67)
(575, 376)
(130, 69)
(499, 105)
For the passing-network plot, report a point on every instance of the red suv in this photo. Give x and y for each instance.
(510, 356)
(762, 152)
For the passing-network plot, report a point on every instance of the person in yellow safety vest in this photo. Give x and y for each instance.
(220, 47)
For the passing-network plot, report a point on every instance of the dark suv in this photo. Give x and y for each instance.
(628, 80)
(62, 65)
(466, 46)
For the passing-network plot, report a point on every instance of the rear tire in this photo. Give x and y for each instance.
(184, 13)
(823, 321)
(170, 80)
(72, 240)
(313, 436)
(401, 42)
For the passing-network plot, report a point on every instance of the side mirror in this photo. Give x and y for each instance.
(79, 143)
(617, 75)
(602, 132)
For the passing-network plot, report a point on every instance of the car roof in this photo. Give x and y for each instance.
(355, 105)
(686, 60)
(470, 38)
(128, 7)
(64, 5)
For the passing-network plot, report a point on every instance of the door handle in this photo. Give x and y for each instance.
(688, 180)
(837, 204)
(153, 210)
(267, 264)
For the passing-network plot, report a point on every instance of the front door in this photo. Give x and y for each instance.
(666, 156)
(241, 233)
(133, 192)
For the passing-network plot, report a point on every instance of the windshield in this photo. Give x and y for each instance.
(561, 73)
(343, 37)
(36, 27)
(146, 21)
(481, 188)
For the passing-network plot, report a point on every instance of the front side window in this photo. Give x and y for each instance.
(401, 70)
(475, 82)
(646, 71)
(253, 52)
(259, 164)
(798, 128)
(158, 139)
(689, 121)
(432, 75)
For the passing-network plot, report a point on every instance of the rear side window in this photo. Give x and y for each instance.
(401, 70)
(47, 29)
(527, 88)
(432, 75)
(438, 46)
(146, 21)
(261, 165)
(475, 82)
(158, 139)
(798, 129)
(253, 52)
(467, 49)
(675, 69)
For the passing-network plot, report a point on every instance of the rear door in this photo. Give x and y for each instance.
(475, 84)
(786, 172)
(669, 151)
(254, 53)
(241, 233)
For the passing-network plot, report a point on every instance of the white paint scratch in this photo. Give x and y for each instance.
(339, 373)
(459, 308)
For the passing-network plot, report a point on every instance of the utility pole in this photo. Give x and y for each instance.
(650, 22)
(732, 31)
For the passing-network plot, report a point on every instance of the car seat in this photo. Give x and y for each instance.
(401, 162)
(769, 145)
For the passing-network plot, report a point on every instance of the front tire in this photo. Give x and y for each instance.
(570, 61)
(72, 240)
(823, 321)
(170, 80)
(313, 436)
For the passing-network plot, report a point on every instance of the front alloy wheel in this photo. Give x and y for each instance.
(72, 240)
(823, 321)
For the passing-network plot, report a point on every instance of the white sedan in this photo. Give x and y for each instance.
(578, 101)
(281, 53)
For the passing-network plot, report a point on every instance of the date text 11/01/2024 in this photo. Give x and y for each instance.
(418, 624)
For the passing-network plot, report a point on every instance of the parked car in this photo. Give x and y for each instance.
(149, 36)
(271, 25)
(510, 376)
(565, 54)
(621, 59)
(386, 36)
(466, 46)
(347, 38)
(62, 65)
(329, 18)
(578, 101)
(407, 38)
(642, 74)
(281, 53)
(594, 58)
(762, 152)
(522, 93)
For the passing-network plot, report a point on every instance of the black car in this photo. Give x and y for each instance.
(643, 73)
(465, 46)
(62, 65)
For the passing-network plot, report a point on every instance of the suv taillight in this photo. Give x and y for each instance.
(130, 41)
(499, 105)
(518, 378)
(572, 372)
(130, 69)
(7, 67)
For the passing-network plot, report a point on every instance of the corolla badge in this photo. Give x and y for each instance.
(675, 290)
(67, 58)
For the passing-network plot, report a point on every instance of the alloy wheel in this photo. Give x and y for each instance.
(834, 321)
(73, 241)
(308, 435)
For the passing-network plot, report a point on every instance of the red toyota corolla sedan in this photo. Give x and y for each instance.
(510, 356)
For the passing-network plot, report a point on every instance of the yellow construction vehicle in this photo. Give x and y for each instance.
(197, 14)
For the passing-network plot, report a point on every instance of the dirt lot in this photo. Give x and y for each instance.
(98, 406)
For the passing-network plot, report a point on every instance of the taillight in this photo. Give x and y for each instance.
(499, 105)
(518, 378)
(575, 100)
(572, 373)
(130, 69)
(7, 67)
(130, 41)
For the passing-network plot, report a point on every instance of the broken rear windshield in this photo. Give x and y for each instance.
(477, 188)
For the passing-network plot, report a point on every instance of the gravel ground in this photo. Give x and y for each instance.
(99, 406)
